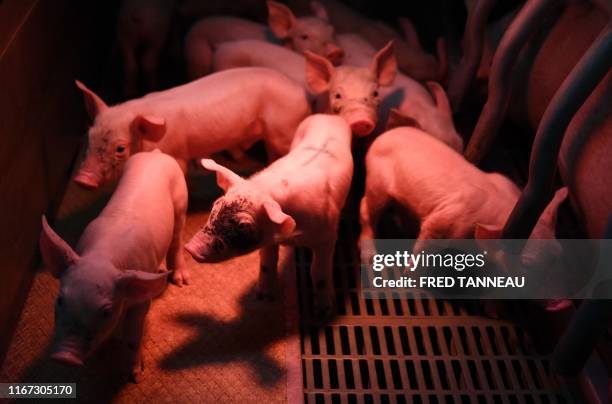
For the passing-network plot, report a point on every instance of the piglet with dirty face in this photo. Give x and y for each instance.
(112, 275)
(296, 200)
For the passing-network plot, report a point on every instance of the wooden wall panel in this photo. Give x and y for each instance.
(44, 46)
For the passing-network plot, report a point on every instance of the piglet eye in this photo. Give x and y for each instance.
(120, 149)
(304, 37)
(375, 93)
(338, 96)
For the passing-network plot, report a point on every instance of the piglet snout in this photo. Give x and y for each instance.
(67, 358)
(87, 179)
(362, 127)
(193, 247)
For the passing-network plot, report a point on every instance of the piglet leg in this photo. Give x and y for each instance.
(267, 272)
(134, 323)
(175, 259)
(321, 273)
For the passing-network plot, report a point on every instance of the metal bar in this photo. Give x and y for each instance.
(473, 42)
(516, 36)
(587, 326)
(574, 90)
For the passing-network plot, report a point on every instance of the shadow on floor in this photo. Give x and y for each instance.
(240, 343)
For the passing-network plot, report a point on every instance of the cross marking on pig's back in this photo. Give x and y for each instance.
(318, 151)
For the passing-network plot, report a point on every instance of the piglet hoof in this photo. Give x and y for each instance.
(136, 374)
(181, 277)
(264, 296)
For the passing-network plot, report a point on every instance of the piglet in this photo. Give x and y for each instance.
(435, 119)
(312, 33)
(108, 281)
(296, 200)
(406, 102)
(255, 53)
(229, 110)
(448, 196)
(353, 92)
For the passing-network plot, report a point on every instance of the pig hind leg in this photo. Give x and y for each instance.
(267, 272)
(442, 225)
(322, 276)
(371, 208)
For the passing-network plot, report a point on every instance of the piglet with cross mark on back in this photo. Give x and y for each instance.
(296, 201)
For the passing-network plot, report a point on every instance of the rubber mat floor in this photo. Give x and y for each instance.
(210, 341)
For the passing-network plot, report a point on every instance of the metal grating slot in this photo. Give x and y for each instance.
(416, 350)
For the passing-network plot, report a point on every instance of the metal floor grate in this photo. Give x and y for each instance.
(418, 350)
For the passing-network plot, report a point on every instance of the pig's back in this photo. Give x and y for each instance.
(234, 84)
(135, 228)
(357, 51)
(151, 184)
(213, 113)
(152, 175)
(318, 167)
(423, 173)
(252, 52)
(216, 30)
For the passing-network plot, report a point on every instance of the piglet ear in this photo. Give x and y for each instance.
(487, 231)
(280, 19)
(319, 10)
(384, 65)
(318, 74)
(140, 286)
(149, 127)
(439, 95)
(398, 118)
(284, 224)
(56, 253)
(546, 226)
(93, 104)
(226, 178)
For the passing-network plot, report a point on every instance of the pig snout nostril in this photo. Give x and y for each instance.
(362, 127)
